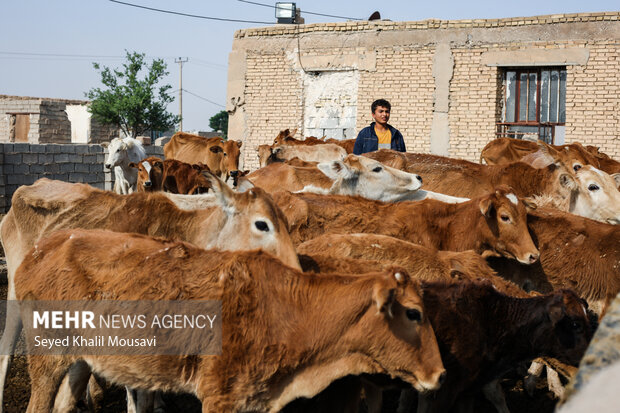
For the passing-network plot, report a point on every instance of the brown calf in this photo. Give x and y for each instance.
(575, 252)
(246, 220)
(492, 224)
(171, 175)
(367, 324)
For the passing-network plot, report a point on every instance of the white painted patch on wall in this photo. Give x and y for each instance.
(330, 103)
(80, 123)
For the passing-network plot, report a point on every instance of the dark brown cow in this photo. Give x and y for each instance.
(483, 333)
(310, 331)
(575, 252)
(492, 224)
(171, 175)
(462, 178)
(222, 157)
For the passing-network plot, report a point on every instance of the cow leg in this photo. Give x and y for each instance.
(10, 335)
(495, 394)
(46, 374)
(144, 401)
(406, 400)
(374, 397)
(554, 383)
(72, 387)
(158, 403)
(534, 373)
(94, 393)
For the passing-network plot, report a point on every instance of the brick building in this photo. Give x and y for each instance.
(45, 120)
(453, 85)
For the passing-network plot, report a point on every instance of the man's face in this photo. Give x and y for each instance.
(381, 115)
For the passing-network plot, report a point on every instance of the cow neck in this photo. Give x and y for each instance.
(206, 226)
(523, 178)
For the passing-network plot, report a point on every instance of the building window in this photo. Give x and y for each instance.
(534, 103)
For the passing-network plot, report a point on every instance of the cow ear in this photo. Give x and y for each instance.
(616, 178)
(383, 296)
(529, 203)
(133, 165)
(216, 149)
(243, 184)
(486, 206)
(158, 164)
(556, 308)
(239, 143)
(335, 169)
(129, 144)
(568, 182)
(223, 194)
(104, 144)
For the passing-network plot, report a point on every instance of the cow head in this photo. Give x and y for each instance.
(566, 326)
(117, 153)
(397, 318)
(573, 156)
(283, 136)
(150, 174)
(358, 175)
(229, 163)
(252, 221)
(598, 196)
(506, 228)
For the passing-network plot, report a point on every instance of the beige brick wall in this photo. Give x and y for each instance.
(272, 101)
(403, 74)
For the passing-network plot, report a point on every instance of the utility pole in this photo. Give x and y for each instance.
(180, 61)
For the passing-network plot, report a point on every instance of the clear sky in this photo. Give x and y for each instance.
(48, 46)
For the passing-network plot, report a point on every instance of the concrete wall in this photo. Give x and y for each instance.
(24, 163)
(443, 78)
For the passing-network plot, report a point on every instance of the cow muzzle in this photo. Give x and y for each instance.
(108, 166)
(234, 173)
(148, 184)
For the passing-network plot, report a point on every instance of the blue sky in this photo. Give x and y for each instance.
(48, 46)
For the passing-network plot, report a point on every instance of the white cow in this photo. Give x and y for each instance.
(120, 153)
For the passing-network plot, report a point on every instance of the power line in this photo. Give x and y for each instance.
(302, 12)
(189, 15)
(205, 99)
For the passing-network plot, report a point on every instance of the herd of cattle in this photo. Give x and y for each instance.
(339, 275)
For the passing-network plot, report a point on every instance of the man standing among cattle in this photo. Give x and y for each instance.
(379, 135)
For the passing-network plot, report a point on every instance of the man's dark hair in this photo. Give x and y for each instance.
(380, 102)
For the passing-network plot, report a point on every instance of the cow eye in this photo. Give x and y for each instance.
(576, 167)
(377, 169)
(593, 187)
(505, 218)
(261, 226)
(413, 314)
(577, 327)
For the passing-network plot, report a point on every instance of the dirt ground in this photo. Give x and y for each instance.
(17, 391)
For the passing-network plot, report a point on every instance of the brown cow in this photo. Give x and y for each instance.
(462, 178)
(314, 153)
(353, 252)
(506, 150)
(222, 157)
(171, 175)
(575, 252)
(346, 144)
(492, 224)
(280, 176)
(361, 324)
(236, 221)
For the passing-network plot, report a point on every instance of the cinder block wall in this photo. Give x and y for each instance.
(24, 163)
(401, 61)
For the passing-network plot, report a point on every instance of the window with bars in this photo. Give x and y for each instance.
(534, 103)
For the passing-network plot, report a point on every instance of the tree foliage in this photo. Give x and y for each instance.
(219, 123)
(130, 97)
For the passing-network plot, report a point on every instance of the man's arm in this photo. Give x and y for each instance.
(401, 141)
(359, 144)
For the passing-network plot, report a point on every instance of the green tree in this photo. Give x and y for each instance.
(130, 97)
(219, 123)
